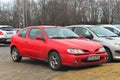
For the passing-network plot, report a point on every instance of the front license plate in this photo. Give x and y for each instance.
(93, 58)
(8, 40)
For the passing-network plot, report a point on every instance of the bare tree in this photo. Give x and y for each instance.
(59, 12)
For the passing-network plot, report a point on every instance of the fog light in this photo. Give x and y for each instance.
(76, 61)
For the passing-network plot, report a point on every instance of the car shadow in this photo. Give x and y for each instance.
(64, 68)
(85, 67)
(115, 61)
(34, 62)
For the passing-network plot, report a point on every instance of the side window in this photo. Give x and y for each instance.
(34, 32)
(82, 31)
(113, 30)
(23, 33)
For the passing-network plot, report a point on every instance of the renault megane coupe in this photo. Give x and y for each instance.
(56, 45)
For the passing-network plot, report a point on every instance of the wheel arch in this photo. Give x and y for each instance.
(12, 48)
(53, 50)
(108, 49)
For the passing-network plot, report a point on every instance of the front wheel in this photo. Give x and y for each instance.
(109, 58)
(55, 61)
(15, 55)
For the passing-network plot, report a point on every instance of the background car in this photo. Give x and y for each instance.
(108, 39)
(58, 46)
(112, 28)
(117, 26)
(6, 32)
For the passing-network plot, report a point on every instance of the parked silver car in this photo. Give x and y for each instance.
(112, 28)
(117, 26)
(6, 33)
(108, 39)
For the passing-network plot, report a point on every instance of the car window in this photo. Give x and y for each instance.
(82, 31)
(102, 32)
(34, 32)
(60, 33)
(113, 30)
(23, 33)
(7, 28)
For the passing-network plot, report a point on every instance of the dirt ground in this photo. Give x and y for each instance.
(109, 71)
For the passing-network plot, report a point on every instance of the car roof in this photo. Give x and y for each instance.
(81, 26)
(45, 26)
(116, 25)
(104, 25)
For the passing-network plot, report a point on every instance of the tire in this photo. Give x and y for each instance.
(109, 58)
(15, 55)
(54, 61)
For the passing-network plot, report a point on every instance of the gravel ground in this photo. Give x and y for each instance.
(28, 69)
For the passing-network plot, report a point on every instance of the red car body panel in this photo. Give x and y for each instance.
(39, 49)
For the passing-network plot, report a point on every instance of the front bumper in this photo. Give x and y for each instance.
(80, 60)
(116, 54)
(5, 40)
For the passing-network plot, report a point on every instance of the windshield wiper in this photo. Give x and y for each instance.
(57, 38)
(113, 36)
(72, 37)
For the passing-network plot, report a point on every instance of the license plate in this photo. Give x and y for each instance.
(9, 32)
(93, 58)
(8, 40)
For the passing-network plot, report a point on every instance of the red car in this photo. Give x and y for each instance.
(59, 46)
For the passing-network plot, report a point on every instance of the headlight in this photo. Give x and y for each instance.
(102, 49)
(75, 51)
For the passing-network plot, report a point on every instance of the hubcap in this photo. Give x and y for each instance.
(14, 54)
(53, 61)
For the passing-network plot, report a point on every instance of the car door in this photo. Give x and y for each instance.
(21, 41)
(35, 48)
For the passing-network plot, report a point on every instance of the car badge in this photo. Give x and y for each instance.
(91, 49)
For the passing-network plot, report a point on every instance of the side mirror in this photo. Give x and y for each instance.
(38, 37)
(81, 36)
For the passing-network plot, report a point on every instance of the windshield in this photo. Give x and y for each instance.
(102, 32)
(7, 28)
(60, 33)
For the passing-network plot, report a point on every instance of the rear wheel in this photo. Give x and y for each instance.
(15, 55)
(55, 61)
(109, 58)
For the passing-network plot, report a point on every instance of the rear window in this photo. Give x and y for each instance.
(7, 28)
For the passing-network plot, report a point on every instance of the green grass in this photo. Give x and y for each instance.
(109, 71)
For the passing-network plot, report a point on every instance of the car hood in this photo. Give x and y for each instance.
(78, 43)
(111, 40)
